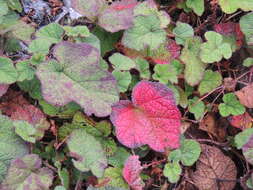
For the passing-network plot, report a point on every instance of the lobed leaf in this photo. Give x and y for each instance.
(145, 33)
(210, 81)
(27, 173)
(215, 48)
(153, 116)
(230, 106)
(77, 76)
(11, 146)
(230, 6)
(118, 16)
(8, 73)
(87, 151)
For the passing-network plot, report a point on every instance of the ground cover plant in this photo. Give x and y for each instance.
(126, 94)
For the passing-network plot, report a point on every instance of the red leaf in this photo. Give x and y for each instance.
(131, 173)
(230, 29)
(29, 113)
(11, 101)
(3, 89)
(153, 118)
(225, 28)
(119, 6)
(242, 122)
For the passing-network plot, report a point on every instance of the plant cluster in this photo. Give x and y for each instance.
(126, 94)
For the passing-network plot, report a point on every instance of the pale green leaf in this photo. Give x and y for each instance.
(215, 48)
(116, 178)
(248, 62)
(8, 73)
(121, 62)
(145, 33)
(88, 152)
(25, 71)
(210, 81)
(164, 73)
(194, 67)
(231, 105)
(27, 173)
(143, 67)
(123, 79)
(230, 6)
(196, 5)
(197, 108)
(77, 31)
(11, 145)
(172, 171)
(182, 32)
(243, 137)
(246, 27)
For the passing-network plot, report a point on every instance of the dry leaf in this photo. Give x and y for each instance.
(212, 127)
(214, 170)
(245, 95)
(242, 122)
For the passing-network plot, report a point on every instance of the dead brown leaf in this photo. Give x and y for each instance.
(245, 95)
(214, 170)
(212, 127)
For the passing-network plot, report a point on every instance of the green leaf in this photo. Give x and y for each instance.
(91, 39)
(243, 137)
(143, 67)
(27, 173)
(46, 36)
(210, 81)
(11, 146)
(230, 6)
(25, 71)
(8, 73)
(77, 76)
(105, 127)
(172, 171)
(165, 72)
(25, 130)
(77, 31)
(29, 132)
(248, 62)
(194, 67)
(59, 188)
(121, 62)
(23, 31)
(196, 107)
(182, 32)
(108, 40)
(149, 8)
(196, 5)
(183, 101)
(249, 182)
(215, 48)
(119, 157)
(116, 178)
(247, 28)
(231, 106)
(146, 33)
(15, 5)
(3, 8)
(123, 79)
(32, 87)
(190, 152)
(88, 152)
